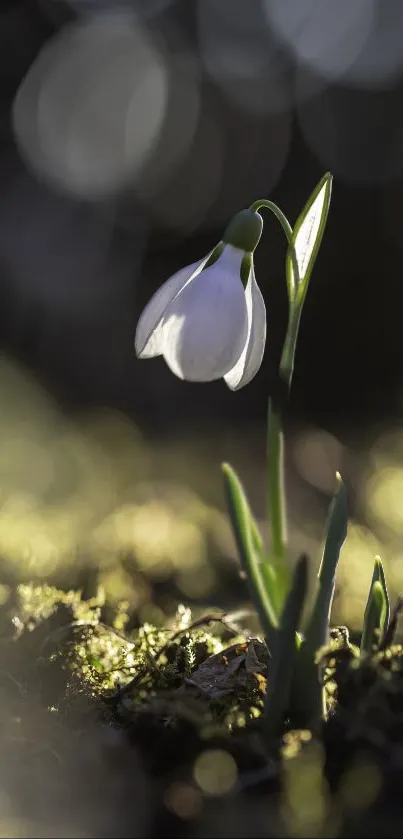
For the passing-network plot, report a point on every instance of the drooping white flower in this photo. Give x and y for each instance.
(209, 319)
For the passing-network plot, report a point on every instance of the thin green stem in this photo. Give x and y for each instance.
(285, 224)
(276, 494)
(289, 346)
(275, 443)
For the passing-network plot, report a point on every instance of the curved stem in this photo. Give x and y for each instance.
(285, 224)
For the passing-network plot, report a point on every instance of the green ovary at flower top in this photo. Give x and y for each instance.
(209, 319)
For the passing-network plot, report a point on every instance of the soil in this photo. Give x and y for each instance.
(109, 731)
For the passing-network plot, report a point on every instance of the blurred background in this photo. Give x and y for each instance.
(131, 131)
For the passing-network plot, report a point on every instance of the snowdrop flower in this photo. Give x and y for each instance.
(209, 319)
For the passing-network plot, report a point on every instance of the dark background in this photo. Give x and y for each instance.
(272, 116)
(126, 145)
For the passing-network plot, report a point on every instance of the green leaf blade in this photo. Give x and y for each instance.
(379, 575)
(285, 650)
(373, 619)
(308, 692)
(335, 535)
(247, 537)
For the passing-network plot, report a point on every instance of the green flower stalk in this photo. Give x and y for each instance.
(303, 246)
(295, 679)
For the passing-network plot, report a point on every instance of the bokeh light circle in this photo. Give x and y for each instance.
(88, 113)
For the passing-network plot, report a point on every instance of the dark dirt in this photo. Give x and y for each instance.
(159, 732)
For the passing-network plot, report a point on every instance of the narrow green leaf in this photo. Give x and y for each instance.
(335, 534)
(267, 564)
(255, 532)
(307, 689)
(247, 537)
(285, 650)
(392, 625)
(277, 507)
(373, 619)
(273, 583)
(379, 574)
(307, 236)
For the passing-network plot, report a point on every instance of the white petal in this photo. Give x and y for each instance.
(149, 328)
(251, 357)
(205, 327)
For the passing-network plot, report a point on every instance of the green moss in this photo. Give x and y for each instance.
(38, 603)
(184, 673)
(180, 673)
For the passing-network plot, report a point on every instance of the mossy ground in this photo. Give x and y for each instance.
(104, 727)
